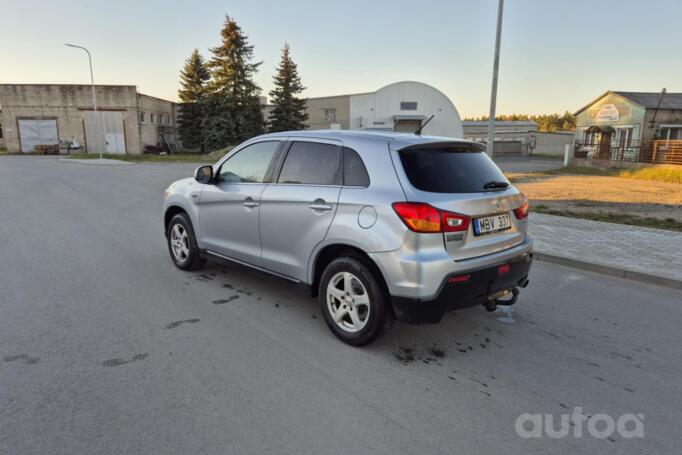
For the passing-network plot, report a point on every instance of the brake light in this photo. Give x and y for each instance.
(424, 218)
(521, 212)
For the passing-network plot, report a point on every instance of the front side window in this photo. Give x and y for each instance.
(249, 165)
(354, 171)
(311, 163)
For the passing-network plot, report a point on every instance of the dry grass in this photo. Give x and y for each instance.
(670, 174)
(607, 198)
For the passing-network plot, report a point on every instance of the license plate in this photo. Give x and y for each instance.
(492, 223)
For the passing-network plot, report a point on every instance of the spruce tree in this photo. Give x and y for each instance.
(193, 79)
(289, 111)
(233, 110)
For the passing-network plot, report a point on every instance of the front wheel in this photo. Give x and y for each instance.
(182, 243)
(352, 301)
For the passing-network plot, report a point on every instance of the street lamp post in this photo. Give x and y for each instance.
(94, 97)
(493, 94)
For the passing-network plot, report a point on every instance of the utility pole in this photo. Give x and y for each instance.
(493, 94)
(94, 98)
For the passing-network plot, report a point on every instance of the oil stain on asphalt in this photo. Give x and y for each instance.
(175, 324)
(26, 359)
(227, 300)
(117, 362)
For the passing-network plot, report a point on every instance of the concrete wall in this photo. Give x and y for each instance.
(552, 143)
(157, 113)
(2, 135)
(316, 112)
(66, 103)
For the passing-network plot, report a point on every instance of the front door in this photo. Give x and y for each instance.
(297, 209)
(605, 146)
(229, 208)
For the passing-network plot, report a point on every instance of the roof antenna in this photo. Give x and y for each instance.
(419, 130)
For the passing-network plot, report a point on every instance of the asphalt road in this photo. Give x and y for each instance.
(105, 347)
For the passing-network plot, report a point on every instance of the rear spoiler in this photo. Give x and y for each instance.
(447, 146)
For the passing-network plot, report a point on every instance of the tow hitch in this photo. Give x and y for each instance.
(502, 298)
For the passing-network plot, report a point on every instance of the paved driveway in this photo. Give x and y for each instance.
(105, 347)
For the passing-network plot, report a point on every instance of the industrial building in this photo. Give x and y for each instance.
(519, 137)
(51, 114)
(401, 106)
(631, 126)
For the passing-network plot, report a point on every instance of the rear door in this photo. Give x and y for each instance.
(297, 209)
(460, 178)
(229, 208)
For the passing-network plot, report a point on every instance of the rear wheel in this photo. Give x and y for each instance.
(182, 243)
(353, 304)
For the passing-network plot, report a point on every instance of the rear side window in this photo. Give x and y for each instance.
(445, 170)
(311, 163)
(354, 171)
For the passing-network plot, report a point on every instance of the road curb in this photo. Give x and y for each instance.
(609, 270)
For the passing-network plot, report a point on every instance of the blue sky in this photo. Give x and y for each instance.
(556, 55)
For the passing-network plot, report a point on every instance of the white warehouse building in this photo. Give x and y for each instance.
(401, 106)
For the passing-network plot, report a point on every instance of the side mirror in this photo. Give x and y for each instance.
(204, 174)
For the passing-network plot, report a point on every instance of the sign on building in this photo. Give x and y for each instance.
(608, 113)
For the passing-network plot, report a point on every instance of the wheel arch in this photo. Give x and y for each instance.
(170, 212)
(335, 250)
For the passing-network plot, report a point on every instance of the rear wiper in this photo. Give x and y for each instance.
(494, 185)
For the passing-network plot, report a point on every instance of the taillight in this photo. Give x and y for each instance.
(453, 222)
(422, 217)
(521, 212)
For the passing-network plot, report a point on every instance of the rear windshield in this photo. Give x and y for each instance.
(447, 171)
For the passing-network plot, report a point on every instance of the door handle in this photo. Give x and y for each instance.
(320, 206)
(250, 203)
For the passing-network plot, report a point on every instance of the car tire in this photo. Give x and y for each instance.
(182, 244)
(352, 302)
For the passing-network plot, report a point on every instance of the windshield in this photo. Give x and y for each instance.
(442, 170)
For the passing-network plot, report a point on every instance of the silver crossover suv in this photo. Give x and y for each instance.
(382, 226)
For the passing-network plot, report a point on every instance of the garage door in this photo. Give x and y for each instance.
(112, 139)
(34, 132)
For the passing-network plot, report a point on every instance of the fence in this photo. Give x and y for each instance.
(657, 151)
(663, 152)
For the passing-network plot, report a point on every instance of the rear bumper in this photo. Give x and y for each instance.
(479, 284)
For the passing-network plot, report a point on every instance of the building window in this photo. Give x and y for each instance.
(1, 136)
(330, 115)
(671, 132)
(141, 117)
(152, 118)
(624, 137)
(408, 105)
